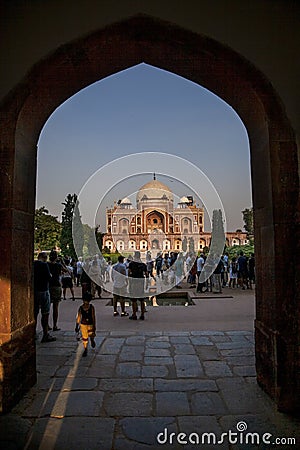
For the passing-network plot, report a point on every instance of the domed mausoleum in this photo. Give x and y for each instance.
(155, 224)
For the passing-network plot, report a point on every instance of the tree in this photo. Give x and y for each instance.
(66, 239)
(248, 222)
(78, 235)
(47, 230)
(99, 237)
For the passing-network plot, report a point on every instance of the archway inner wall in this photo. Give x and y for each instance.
(274, 181)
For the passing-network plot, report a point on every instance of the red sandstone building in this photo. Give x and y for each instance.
(156, 224)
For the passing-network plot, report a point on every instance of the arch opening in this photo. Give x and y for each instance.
(274, 170)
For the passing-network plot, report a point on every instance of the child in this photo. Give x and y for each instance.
(86, 319)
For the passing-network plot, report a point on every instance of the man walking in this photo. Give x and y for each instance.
(42, 276)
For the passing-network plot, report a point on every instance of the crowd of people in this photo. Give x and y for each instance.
(129, 278)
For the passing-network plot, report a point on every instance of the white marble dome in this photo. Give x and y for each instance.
(154, 189)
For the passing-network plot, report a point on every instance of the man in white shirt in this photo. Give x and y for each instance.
(119, 279)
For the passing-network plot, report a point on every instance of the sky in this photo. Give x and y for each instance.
(144, 109)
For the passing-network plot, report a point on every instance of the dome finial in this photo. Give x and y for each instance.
(154, 176)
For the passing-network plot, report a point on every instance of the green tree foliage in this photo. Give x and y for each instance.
(66, 239)
(248, 222)
(47, 230)
(99, 237)
(89, 244)
(235, 250)
(78, 230)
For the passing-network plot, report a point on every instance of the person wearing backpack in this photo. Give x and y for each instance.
(137, 272)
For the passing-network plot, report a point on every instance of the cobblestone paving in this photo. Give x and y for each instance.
(133, 386)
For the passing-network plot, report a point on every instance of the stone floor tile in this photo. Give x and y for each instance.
(180, 340)
(52, 360)
(241, 397)
(185, 385)
(216, 369)
(79, 403)
(129, 404)
(239, 332)
(176, 333)
(49, 370)
(121, 443)
(168, 403)
(207, 353)
(207, 403)
(157, 352)
(184, 349)
(122, 333)
(130, 370)
(241, 360)
(75, 384)
(103, 360)
(158, 361)
(112, 345)
(238, 352)
(188, 366)
(44, 383)
(207, 333)
(135, 340)
(126, 385)
(14, 431)
(145, 430)
(157, 338)
(233, 345)
(131, 353)
(202, 429)
(154, 371)
(102, 369)
(152, 334)
(201, 340)
(70, 371)
(157, 344)
(60, 404)
(245, 371)
(56, 350)
(64, 435)
(220, 338)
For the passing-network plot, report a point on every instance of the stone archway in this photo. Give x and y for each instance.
(274, 180)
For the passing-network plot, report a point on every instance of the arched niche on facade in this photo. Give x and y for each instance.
(274, 170)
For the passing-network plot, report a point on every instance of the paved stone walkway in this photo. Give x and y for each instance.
(135, 385)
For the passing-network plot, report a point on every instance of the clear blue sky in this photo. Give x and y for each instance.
(144, 109)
